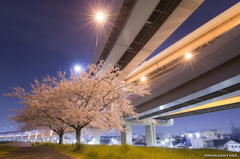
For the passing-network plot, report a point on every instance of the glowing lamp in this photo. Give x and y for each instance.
(143, 79)
(99, 16)
(77, 68)
(188, 56)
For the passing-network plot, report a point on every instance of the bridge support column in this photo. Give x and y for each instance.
(51, 136)
(74, 137)
(36, 133)
(44, 139)
(29, 135)
(14, 135)
(5, 137)
(126, 137)
(42, 135)
(21, 136)
(96, 139)
(150, 135)
(81, 138)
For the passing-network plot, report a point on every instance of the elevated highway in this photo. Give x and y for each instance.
(140, 28)
(40, 136)
(208, 82)
(213, 67)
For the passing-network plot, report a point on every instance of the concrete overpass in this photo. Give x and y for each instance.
(140, 28)
(41, 136)
(207, 44)
(208, 82)
(19, 135)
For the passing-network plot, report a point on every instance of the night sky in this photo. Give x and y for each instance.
(42, 37)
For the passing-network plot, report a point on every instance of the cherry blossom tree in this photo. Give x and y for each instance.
(84, 100)
(39, 110)
(31, 118)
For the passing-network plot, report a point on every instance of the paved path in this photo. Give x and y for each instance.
(21, 144)
(40, 152)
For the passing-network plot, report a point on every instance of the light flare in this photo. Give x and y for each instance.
(100, 17)
(188, 56)
(77, 68)
(143, 79)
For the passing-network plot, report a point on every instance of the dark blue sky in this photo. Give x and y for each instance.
(41, 37)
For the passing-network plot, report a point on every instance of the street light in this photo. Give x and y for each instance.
(188, 56)
(99, 16)
(143, 79)
(77, 68)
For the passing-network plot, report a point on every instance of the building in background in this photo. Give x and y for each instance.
(206, 139)
(232, 146)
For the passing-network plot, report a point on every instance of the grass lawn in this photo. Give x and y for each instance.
(132, 152)
(5, 149)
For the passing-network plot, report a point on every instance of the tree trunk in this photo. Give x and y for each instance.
(60, 138)
(78, 135)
